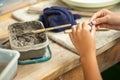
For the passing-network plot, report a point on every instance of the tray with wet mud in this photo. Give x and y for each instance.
(30, 45)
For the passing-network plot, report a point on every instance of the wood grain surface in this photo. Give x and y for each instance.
(4, 29)
(105, 61)
(62, 61)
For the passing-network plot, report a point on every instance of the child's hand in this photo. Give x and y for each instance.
(83, 39)
(107, 19)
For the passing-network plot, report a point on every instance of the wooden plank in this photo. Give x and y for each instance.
(61, 62)
(4, 28)
(14, 6)
(104, 40)
(107, 46)
(105, 60)
(48, 3)
(109, 57)
(37, 10)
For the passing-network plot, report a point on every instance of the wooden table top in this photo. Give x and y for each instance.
(61, 62)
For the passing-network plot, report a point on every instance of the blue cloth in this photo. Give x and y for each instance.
(55, 16)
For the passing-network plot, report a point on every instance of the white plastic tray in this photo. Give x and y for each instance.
(8, 63)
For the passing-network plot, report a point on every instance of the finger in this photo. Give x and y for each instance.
(79, 27)
(101, 20)
(96, 15)
(85, 26)
(78, 32)
(73, 39)
(102, 25)
(97, 27)
(73, 29)
(109, 26)
(93, 30)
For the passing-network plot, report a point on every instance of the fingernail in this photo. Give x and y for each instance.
(90, 20)
(94, 22)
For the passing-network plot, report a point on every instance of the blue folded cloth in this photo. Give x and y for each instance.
(55, 16)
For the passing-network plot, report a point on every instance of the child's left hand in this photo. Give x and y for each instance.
(83, 39)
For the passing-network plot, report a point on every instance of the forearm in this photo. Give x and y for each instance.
(90, 67)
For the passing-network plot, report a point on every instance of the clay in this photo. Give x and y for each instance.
(27, 39)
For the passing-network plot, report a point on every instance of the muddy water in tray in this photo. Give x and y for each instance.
(27, 39)
(20, 40)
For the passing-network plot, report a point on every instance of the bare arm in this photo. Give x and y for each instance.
(90, 67)
(84, 41)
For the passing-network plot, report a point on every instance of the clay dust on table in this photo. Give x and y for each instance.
(19, 39)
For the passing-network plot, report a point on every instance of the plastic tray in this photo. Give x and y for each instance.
(47, 56)
(28, 51)
(8, 63)
(27, 47)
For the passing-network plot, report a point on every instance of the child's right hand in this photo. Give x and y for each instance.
(106, 19)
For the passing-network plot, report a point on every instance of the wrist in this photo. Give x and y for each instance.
(88, 55)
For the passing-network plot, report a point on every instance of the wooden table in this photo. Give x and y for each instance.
(105, 60)
(63, 69)
(62, 60)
